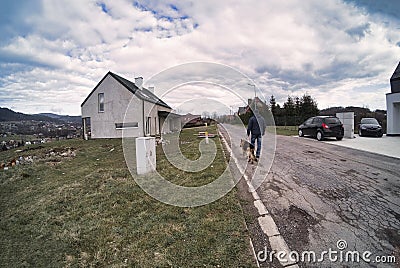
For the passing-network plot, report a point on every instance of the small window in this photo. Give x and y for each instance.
(317, 120)
(332, 120)
(308, 122)
(372, 121)
(126, 125)
(101, 102)
(148, 125)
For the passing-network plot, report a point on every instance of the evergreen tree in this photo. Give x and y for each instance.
(289, 106)
(308, 107)
(297, 106)
(289, 111)
(272, 103)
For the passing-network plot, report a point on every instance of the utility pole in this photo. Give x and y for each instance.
(255, 95)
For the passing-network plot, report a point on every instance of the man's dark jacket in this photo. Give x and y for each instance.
(256, 125)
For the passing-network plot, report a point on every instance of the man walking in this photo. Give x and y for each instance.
(256, 128)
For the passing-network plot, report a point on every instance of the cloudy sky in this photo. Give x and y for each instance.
(53, 53)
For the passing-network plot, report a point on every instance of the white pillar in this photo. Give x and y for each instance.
(145, 155)
(347, 120)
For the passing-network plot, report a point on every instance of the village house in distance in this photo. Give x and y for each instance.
(104, 109)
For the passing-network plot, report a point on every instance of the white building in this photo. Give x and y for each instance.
(104, 109)
(393, 104)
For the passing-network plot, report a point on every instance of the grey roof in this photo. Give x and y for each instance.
(143, 93)
(395, 80)
(396, 74)
(171, 114)
(242, 110)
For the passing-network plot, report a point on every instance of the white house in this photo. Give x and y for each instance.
(104, 109)
(393, 104)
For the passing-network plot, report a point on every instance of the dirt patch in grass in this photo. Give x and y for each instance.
(49, 155)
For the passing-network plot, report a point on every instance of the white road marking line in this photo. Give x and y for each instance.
(268, 225)
(260, 207)
(278, 244)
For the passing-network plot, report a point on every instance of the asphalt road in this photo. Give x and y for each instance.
(320, 193)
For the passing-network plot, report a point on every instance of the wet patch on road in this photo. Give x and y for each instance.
(392, 235)
(295, 224)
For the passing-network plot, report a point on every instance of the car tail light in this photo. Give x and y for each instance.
(325, 125)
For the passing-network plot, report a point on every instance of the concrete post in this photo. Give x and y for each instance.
(145, 155)
(347, 120)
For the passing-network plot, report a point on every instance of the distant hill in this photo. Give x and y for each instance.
(65, 118)
(51, 115)
(10, 115)
(356, 110)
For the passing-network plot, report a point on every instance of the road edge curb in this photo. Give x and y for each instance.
(265, 220)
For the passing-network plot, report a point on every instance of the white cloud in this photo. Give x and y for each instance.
(326, 48)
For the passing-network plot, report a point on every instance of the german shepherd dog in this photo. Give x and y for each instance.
(248, 149)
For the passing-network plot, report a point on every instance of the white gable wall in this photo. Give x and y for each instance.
(116, 99)
(393, 113)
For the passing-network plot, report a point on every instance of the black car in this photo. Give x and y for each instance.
(370, 127)
(321, 127)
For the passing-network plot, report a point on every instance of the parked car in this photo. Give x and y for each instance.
(321, 127)
(370, 127)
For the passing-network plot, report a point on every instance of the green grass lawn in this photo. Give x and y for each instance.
(287, 130)
(189, 145)
(283, 130)
(87, 210)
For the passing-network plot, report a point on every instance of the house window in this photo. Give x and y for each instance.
(148, 125)
(126, 125)
(101, 102)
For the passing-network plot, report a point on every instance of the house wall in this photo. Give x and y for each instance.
(393, 113)
(116, 99)
(151, 110)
